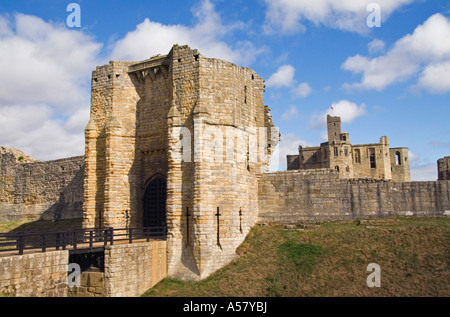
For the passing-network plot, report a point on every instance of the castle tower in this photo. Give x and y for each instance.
(334, 128)
(399, 162)
(178, 140)
(443, 168)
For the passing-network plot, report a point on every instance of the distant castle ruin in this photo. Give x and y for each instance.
(374, 160)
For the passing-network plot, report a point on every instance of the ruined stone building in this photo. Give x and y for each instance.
(375, 160)
(444, 168)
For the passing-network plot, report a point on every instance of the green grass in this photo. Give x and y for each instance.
(40, 225)
(332, 260)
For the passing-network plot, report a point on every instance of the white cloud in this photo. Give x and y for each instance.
(288, 145)
(32, 129)
(283, 77)
(426, 172)
(424, 53)
(350, 15)
(376, 46)
(413, 157)
(290, 113)
(151, 38)
(347, 110)
(303, 90)
(436, 78)
(48, 62)
(44, 82)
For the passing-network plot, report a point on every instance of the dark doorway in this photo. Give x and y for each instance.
(155, 203)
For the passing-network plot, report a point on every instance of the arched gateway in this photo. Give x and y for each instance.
(154, 202)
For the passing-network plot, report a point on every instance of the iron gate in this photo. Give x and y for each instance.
(155, 203)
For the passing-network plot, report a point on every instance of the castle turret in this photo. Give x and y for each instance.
(334, 128)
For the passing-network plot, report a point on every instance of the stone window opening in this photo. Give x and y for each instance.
(373, 163)
(336, 168)
(196, 57)
(347, 169)
(398, 159)
(336, 152)
(346, 152)
(245, 94)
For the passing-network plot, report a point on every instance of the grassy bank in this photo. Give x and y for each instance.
(331, 259)
(40, 225)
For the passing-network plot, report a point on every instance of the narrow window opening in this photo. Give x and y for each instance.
(179, 60)
(245, 94)
(196, 57)
(117, 75)
(336, 168)
(336, 152)
(398, 160)
(372, 158)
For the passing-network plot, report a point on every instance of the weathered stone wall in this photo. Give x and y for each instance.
(132, 269)
(319, 195)
(34, 275)
(92, 284)
(110, 147)
(49, 190)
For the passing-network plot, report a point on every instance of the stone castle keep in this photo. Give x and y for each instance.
(183, 141)
(376, 160)
(145, 117)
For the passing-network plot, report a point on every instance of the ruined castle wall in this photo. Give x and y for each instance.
(400, 164)
(317, 196)
(444, 168)
(49, 190)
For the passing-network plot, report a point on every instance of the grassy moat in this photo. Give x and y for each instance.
(331, 259)
(328, 259)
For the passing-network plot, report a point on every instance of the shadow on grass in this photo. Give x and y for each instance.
(48, 225)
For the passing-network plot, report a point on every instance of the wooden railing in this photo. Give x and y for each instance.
(79, 239)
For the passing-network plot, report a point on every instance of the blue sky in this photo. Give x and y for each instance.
(390, 80)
